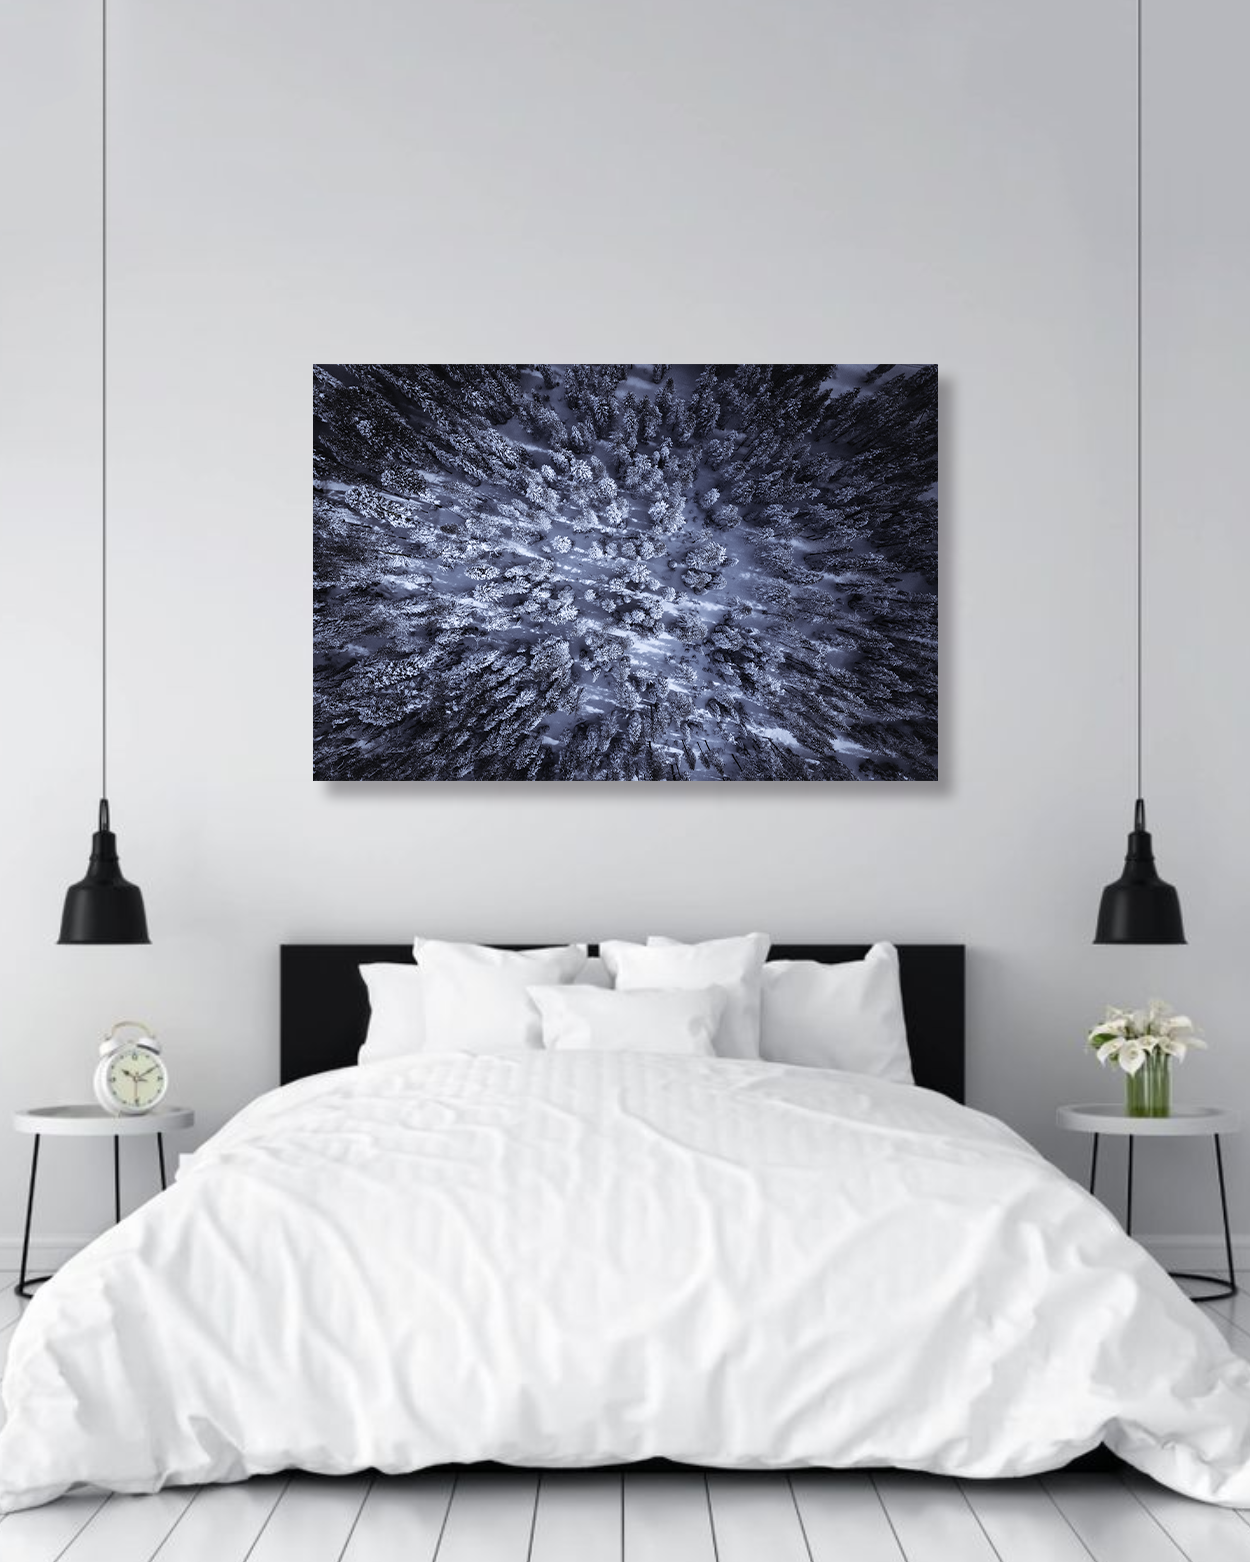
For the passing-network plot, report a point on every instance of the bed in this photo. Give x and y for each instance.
(586, 1258)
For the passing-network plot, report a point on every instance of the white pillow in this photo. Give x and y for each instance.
(397, 1007)
(731, 963)
(593, 974)
(847, 1016)
(641, 1020)
(396, 1012)
(475, 999)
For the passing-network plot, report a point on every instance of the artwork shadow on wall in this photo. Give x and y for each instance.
(610, 572)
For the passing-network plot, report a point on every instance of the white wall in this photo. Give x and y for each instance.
(944, 180)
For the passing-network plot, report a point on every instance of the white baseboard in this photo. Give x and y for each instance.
(1173, 1252)
(48, 1252)
(1200, 1253)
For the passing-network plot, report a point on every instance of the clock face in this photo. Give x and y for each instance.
(136, 1079)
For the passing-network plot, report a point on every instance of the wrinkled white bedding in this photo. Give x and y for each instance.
(579, 1258)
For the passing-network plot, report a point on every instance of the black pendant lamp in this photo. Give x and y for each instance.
(103, 908)
(1139, 908)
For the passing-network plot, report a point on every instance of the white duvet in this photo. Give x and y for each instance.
(583, 1258)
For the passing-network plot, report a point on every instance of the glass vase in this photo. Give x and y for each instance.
(1148, 1093)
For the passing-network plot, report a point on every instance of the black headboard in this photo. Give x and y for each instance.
(325, 1009)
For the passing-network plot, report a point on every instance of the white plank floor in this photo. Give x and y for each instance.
(640, 1516)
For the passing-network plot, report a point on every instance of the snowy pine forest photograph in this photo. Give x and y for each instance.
(625, 572)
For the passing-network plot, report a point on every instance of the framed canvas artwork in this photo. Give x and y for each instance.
(625, 572)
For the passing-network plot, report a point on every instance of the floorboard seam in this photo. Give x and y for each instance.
(538, 1489)
(1153, 1517)
(798, 1513)
(1225, 1313)
(91, 1517)
(442, 1528)
(711, 1517)
(959, 1486)
(286, 1486)
(356, 1520)
(888, 1519)
(186, 1509)
(1050, 1496)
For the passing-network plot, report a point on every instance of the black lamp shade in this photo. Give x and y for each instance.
(1139, 908)
(103, 908)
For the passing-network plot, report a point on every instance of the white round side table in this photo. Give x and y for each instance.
(1183, 1123)
(90, 1121)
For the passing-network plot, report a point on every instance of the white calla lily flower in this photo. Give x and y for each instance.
(1132, 1056)
(1134, 1037)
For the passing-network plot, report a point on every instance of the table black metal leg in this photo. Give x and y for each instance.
(30, 1210)
(24, 1280)
(1093, 1165)
(1221, 1289)
(1228, 1240)
(1128, 1205)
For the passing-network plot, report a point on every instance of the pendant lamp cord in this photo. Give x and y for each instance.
(1139, 398)
(104, 386)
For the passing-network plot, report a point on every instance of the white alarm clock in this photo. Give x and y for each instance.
(131, 1077)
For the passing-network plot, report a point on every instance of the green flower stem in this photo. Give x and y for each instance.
(1148, 1092)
